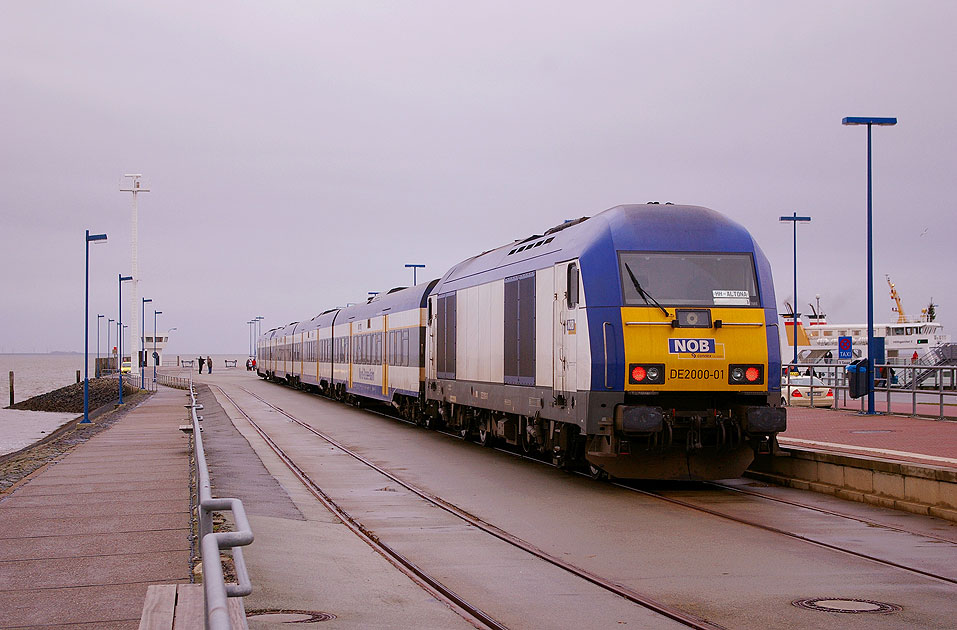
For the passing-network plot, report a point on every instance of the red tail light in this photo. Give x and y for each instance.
(752, 374)
(829, 393)
(797, 394)
(638, 374)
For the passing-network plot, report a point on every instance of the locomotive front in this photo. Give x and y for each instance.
(700, 369)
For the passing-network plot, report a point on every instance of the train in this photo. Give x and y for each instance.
(638, 343)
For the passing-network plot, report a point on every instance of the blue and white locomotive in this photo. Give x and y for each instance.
(638, 343)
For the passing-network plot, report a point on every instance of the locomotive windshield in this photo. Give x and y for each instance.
(686, 279)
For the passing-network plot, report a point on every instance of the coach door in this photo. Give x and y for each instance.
(567, 292)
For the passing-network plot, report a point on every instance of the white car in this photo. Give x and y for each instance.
(797, 392)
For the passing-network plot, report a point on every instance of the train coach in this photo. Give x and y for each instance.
(638, 343)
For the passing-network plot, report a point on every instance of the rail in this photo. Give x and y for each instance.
(215, 589)
(893, 383)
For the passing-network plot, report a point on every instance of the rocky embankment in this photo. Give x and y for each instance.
(69, 399)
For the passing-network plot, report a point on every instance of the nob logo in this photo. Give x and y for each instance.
(678, 346)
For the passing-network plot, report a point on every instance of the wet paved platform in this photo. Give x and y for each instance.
(82, 539)
(894, 437)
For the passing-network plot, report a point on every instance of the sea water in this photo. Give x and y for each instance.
(36, 374)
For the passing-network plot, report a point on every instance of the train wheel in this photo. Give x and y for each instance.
(597, 473)
(525, 438)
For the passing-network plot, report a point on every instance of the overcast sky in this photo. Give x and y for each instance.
(299, 154)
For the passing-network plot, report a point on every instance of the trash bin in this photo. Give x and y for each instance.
(857, 378)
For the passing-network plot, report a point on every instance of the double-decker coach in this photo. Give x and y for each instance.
(373, 350)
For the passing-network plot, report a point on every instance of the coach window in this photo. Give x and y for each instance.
(572, 285)
(405, 348)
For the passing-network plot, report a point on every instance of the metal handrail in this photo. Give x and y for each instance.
(176, 382)
(215, 589)
(834, 376)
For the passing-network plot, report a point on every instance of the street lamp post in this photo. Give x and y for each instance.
(109, 348)
(794, 218)
(120, 324)
(166, 341)
(259, 332)
(155, 313)
(414, 267)
(96, 369)
(142, 340)
(94, 238)
(251, 323)
(881, 122)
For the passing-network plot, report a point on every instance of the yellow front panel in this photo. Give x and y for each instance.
(647, 333)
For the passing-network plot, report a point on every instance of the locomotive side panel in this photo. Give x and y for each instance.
(544, 327)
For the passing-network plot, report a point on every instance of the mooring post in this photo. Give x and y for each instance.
(11, 388)
(78, 376)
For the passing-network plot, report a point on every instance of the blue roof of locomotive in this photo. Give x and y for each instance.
(596, 241)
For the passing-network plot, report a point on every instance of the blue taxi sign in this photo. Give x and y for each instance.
(844, 348)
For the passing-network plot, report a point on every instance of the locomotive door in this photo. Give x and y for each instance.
(565, 328)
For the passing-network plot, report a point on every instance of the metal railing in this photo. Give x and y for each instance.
(176, 382)
(893, 383)
(131, 382)
(215, 589)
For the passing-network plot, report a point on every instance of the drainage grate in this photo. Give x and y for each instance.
(873, 431)
(846, 605)
(286, 615)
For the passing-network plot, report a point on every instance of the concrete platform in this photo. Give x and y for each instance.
(82, 539)
(895, 437)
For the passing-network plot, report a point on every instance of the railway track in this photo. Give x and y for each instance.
(467, 610)
(807, 539)
(717, 513)
(816, 508)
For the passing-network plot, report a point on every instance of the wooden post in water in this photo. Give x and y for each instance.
(11, 388)
(78, 376)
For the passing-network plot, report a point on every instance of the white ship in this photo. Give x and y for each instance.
(905, 342)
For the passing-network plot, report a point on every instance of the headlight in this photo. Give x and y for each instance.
(646, 374)
(746, 374)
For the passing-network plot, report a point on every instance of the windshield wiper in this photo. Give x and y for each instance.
(644, 294)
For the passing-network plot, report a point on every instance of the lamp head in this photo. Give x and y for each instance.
(869, 120)
(125, 278)
(96, 238)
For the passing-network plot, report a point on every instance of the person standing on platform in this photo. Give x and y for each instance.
(913, 359)
(201, 362)
(209, 364)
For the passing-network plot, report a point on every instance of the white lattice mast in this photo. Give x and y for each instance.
(135, 333)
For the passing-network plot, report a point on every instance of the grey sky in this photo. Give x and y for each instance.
(299, 154)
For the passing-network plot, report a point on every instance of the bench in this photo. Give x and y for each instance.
(181, 606)
(230, 363)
